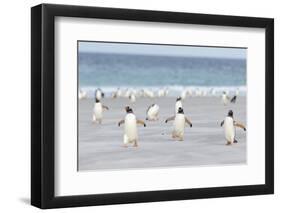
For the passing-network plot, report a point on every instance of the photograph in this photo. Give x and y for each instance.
(139, 105)
(145, 105)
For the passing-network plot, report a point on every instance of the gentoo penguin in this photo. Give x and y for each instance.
(130, 127)
(178, 105)
(148, 93)
(179, 124)
(161, 93)
(166, 92)
(183, 94)
(98, 111)
(237, 92)
(127, 93)
(229, 128)
(118, 93)
(198, 92)
(213, 92)
(140, 93)
(152, 112)
(224, 98)
(132, 98)
(99, 94)
(82, 94)
(189, 92)
(114, 95)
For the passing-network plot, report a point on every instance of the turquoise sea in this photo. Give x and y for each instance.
(110, 71)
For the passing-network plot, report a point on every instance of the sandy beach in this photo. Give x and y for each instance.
(100, 146)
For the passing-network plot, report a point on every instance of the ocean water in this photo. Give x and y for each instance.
(111, 71)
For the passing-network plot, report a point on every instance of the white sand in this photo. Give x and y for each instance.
(100, 146)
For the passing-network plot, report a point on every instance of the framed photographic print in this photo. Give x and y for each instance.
(139, 106)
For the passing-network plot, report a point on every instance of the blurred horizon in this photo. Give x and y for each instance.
(162, 50)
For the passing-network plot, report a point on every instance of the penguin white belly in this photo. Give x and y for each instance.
(152, 113)
(149, 94)
(98, 95)
(166, 92)
(130, 129)
(133, 98)
(178, 105)
(161, 93)
(82, 95)
(224, 100)
(97, 112)
(229, 129)
(179, 125)
(127, 94)
(119, 93)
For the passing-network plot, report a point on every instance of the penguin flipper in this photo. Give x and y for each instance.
(141, 122)
(188, 121)
(105, 107)
(170, 119)
(121, 122)
(240, 125)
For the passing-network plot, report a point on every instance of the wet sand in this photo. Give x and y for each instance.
(100, 146)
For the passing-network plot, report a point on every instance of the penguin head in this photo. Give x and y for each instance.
(128, 109)
(178, 98)
(97, 100)
(180, 110)
(230, 113)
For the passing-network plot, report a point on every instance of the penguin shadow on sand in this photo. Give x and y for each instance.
(230, 125)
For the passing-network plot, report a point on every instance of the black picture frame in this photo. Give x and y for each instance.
(43, 105)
